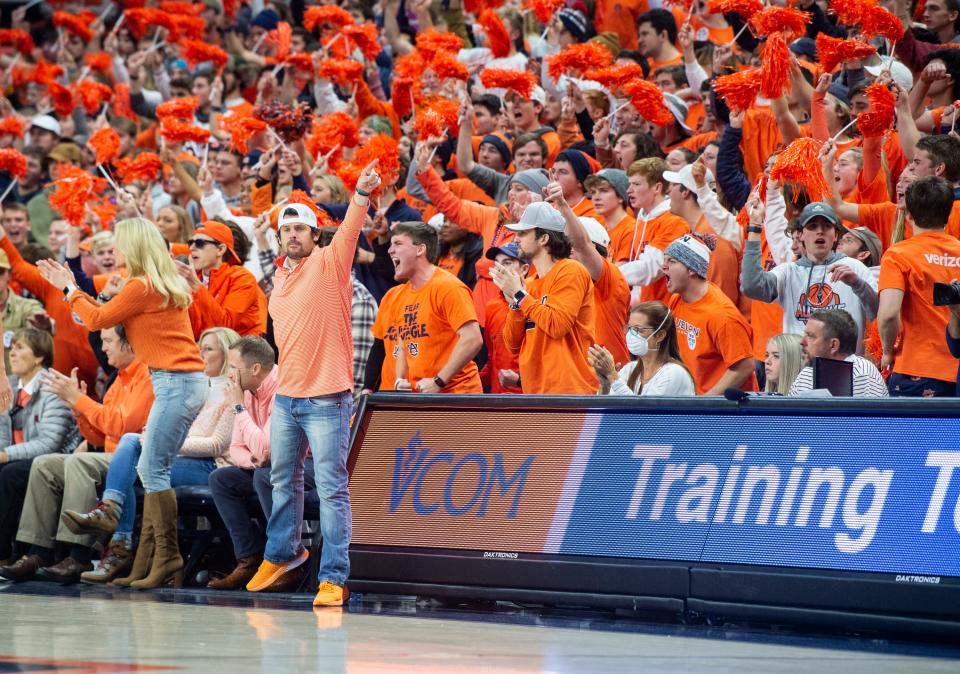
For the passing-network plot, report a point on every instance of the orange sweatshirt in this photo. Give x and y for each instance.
(232, 300)
(158, 333)
(311, 308)
(499, 357)
(70, 339)
(126, 406)
(552, 330)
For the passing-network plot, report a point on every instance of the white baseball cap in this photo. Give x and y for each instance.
(436, 221)
(296, 214)
(898, 71)
(47, 123)
(597, 232)
(539, 214)
(685, 177)
(678, 109)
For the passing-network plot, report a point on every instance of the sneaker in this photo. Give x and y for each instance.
(116, 561)
(329, 594)
(269, 573)
(103, 519)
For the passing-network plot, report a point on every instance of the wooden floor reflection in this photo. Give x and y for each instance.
(46, 628)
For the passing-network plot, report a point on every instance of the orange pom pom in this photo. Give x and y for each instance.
(230, 7)
(448, 110)
(544, 9)
(280, 38)
(745, 8)
(106, 145)
(145, 168)
(429, 124)
(850, 12)
(521, 83)
(447, 67)
(121, 102)
(879, 118)
(878, 21)
(615, 77)
(18, 39)
(184, 107)
(192, 27)
(178, 131)
(775, 69)
(13, 162)
(301, 197)
(776, 19)
(99, 61)
(142, 20)
(63, 101)
(578, 59)
(196, 52)
(341, 71)
(105, 211)
(411, 65)
(497, 35)
(647, 98)
(833, 51)
(71, 192)
(380, 147)
(738, 90)
(93, 95)
(44, 73)
(327, 15)
(336, 129)
(186, 8)
(430, 42)
(301, 62)
(73, 24)
(291, 123)
(402, 96)
(800, 163)
(366, 38)
(12, 126)
(241, 129)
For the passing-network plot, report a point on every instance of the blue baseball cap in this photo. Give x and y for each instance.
(509, 249)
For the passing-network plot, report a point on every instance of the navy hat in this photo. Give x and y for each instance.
(577, 160)
(509, 249)
(819, 209)
(499, 146)
(266, 19)
(576, 22)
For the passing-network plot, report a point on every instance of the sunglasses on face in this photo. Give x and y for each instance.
(200, 243)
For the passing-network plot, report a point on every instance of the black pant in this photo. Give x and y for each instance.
(13, 490)
(244, 500)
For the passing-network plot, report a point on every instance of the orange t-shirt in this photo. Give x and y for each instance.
(913, 266)
(451, 263)
(612, 296)
(552, 330)
(724, 269)
(656, 65)
(881, 220)
(658, 232)
(499, 356)
(424, 322)
(713, 336)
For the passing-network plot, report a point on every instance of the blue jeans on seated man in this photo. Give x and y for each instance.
(905, 386)
(122, 475)
(321, 424)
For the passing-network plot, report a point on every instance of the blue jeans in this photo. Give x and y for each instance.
(123, 474)
(321, 424)
(177, 399)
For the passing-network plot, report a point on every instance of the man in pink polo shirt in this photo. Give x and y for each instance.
(310, 306)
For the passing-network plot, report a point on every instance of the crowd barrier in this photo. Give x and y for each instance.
(833, 511)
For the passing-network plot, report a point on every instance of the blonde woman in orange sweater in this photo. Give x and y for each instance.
(152, 306)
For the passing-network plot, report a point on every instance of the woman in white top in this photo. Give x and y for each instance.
(658, 370)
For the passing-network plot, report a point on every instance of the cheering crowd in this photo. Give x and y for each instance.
(223, 223)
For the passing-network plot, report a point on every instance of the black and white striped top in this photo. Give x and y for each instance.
(867, 382)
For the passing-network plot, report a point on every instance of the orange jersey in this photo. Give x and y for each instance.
(713, 336)
(913, 266)
(423, 323)
(612, 296)
(552, 330)
(499, 357)
(881, 220)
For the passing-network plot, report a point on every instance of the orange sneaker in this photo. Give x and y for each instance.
(269, 573)
(331, 595)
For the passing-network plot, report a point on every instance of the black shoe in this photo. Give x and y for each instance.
(66, 572)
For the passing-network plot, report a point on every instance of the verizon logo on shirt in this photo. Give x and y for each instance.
(942, 260)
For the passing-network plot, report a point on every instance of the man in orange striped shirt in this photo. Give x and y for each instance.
(310, 306)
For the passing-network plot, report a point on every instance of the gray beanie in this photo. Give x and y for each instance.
(617, 180)
(534, 180)
(692, 253)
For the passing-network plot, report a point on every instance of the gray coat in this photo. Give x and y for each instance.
(48, 427)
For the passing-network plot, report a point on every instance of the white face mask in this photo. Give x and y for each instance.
(639, 345)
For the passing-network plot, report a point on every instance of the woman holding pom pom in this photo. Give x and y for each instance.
(153, 307)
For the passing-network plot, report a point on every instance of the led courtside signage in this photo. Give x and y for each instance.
(848, 493)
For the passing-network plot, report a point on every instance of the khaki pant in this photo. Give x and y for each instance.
(60, 482)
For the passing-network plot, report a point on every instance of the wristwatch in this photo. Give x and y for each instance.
(517, 299)
(754, 229)
(69, 288)
(238, 408)
(438, 380)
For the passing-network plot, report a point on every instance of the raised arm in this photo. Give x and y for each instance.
(576, 232)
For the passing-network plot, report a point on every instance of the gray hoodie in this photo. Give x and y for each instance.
(803, 287)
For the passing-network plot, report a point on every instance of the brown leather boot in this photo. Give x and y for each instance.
(103, 519)
(144, 557)
(167, 562)
(237, 580)
(117, 559)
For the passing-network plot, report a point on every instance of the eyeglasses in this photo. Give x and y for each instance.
(200, 243)
(639, 331)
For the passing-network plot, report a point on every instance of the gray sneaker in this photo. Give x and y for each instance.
(117, 560)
